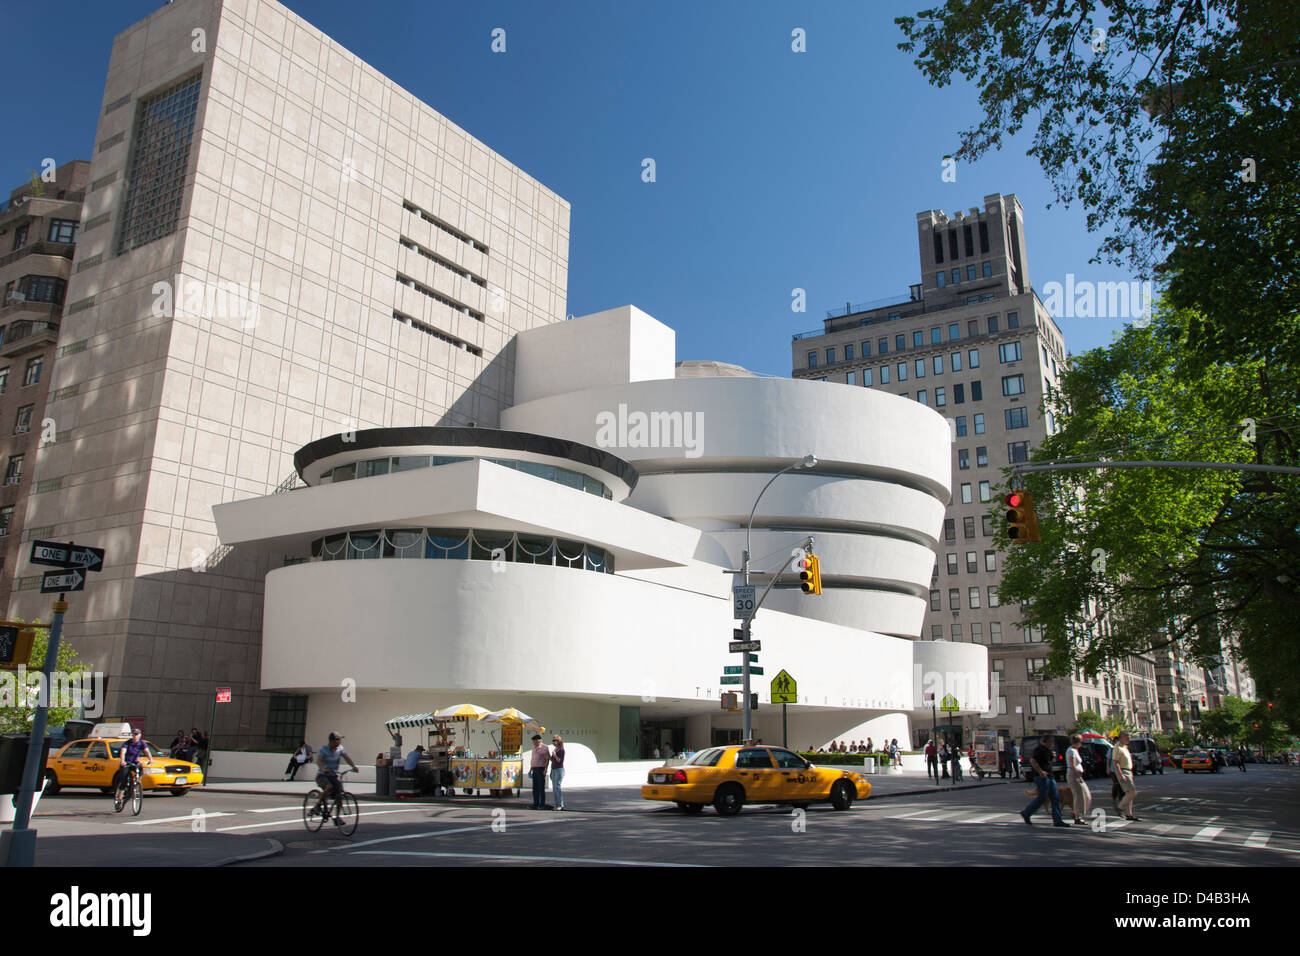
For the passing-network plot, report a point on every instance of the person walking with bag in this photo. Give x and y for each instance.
(1124, 773)
(1077, 777)
(557, 770)
(1041, 761)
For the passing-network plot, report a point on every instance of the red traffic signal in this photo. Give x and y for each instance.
(810, 574)
(1022, 523)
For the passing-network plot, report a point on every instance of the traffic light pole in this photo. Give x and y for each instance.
(808, 461)
(18, 845)
(745, 627)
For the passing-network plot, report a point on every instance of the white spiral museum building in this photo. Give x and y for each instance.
(573, 561)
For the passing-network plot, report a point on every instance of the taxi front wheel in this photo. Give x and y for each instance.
(51, 783)
(728, 800)
(841, 796)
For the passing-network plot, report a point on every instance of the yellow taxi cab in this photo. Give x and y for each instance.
(732, 776)
(94, 761)
(1197, 760)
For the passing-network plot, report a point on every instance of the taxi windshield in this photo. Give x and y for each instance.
(706, 758)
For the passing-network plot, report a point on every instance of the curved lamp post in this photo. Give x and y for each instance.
(809, 462)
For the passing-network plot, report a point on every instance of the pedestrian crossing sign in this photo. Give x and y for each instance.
(784, 689)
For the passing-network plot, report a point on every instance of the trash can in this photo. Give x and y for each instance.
(869, 764)
(384, 779)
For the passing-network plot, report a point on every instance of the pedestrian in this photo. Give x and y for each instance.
(944, 757)
(541, 760)
(296, 761)
(557, 770)
(956, 762)
(1015, 759)
(1077, 776)
(931, 761)
(1241, 758)
(1124, 771)
(180, 743)
(1041, 761)
(1116, 792)
(198, 745)
(893, 753)
(870, 746)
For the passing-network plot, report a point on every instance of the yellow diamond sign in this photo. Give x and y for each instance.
(785, 690)
(949, 704)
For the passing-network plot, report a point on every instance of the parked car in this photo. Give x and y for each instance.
(1146, 755)
(1060, 743)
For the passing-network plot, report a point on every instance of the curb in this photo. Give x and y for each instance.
(275, 849)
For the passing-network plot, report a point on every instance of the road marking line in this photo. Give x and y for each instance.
(437, 833)
(1162, 828)
(1259, 838)
(297, 806)
(1117, 824)
(985, 818)
(914, 813)
(188, 816)
(516, 856)
(1206, 834)
(280, 823)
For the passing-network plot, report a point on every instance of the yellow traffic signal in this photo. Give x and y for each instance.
(810, 575)
(1022, 522)
(16, 642)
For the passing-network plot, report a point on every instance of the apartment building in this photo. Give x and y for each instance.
(38, 232)
(974, 341)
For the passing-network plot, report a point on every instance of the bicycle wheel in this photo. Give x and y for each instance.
(137, 796)
(346, 814)
(312, 816)
(119, 796)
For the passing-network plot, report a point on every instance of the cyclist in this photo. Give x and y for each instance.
(132, 750)
(327, 763)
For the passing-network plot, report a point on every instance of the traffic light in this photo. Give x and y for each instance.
(16, 641)
(810, 574)
(753, 702)
(1022, 523)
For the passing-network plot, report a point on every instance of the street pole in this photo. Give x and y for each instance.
(808, 461)
(934, 734)
(785, 737)
(18, 845)
(207, 751)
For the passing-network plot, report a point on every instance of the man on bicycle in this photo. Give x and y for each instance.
(132, 750)
(327, 763)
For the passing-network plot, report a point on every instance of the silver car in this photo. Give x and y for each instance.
(1146, 755)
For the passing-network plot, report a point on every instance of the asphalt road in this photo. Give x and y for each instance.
(1225, 819)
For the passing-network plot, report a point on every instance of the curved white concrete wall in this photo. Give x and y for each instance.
(874, 503)
(945, 667)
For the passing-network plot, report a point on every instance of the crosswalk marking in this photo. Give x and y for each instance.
(188, 816)
(1259, 838)
(984, 819)
(909, 816)
(1162, 828)
(1206, 834)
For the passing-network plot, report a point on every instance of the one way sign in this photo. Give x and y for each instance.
(52, 581)
(60, 555)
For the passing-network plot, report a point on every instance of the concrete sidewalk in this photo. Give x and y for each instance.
(63, 842)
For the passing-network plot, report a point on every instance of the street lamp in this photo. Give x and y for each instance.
(808, 462)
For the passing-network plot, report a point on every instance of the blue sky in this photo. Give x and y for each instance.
(775, 170)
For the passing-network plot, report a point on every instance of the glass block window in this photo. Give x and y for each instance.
(286, 721)
(160, 153)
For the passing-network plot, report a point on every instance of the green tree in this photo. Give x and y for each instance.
(1146, 112)
(17, 703)
(1136, 561)
(1087, 720)
(1226, 722)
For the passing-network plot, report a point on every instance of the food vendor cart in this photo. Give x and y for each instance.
(447, 766)
(987, 748)
(433, 772)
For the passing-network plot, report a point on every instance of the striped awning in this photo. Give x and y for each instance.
(411, 720)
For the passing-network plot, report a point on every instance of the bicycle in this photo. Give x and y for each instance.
(316, 809)
(128, 788)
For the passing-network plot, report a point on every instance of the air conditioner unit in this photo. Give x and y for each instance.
(15, 296)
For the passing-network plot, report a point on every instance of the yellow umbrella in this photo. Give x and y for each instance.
(509, 715)
(467, 711)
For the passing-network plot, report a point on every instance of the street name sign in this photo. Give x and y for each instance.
(756, 670)
(730, 679)
(58, 581)
(744, 597)
(732, 670)
(737, 647)
(65, 555)
(785, 690)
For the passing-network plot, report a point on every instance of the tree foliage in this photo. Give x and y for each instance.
(1226, 722)
(1134, 561)
(16, 713)
(1145, 112)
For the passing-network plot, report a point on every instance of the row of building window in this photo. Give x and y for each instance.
(972, 567)
(462, 545)
(954, 594)
(440, 336)
(1031, 635)
(970, 244)
(35, 288)
(863, 350)
(445, 227)
(439, 297)
(985, 272)
(449, 266)
(14, 473)
(394, 464)
(61, 230)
